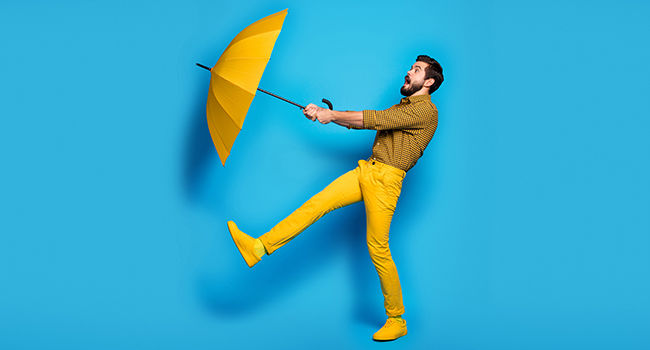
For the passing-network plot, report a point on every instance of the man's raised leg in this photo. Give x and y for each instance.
(343, 191)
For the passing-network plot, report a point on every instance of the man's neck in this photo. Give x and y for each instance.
(419, 93)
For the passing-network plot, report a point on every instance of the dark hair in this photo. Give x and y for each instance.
(433, 70)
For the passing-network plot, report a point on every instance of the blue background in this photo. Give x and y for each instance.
(525, 225)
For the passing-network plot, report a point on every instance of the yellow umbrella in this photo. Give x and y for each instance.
(235, 78)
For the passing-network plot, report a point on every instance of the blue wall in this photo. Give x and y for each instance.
(524, 226)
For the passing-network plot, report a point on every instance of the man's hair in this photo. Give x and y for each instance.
(433, 70)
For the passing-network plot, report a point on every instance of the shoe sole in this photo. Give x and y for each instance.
(386, 340)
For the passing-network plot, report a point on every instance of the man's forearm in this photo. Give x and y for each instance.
(348, 118)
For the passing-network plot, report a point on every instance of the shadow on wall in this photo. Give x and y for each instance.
(199, 147)
(239, 291)
(244, 290)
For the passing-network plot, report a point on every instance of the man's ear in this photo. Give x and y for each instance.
(429, 82)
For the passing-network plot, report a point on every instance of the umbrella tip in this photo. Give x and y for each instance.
(202, 66)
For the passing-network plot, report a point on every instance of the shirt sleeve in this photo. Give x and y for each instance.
(400, 117)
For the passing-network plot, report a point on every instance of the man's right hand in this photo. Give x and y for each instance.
(313, 112)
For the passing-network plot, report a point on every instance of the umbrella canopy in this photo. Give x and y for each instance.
(235, 77)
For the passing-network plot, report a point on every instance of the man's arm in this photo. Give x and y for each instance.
(349, 119)
(344, 118)
(396, 117)
(412, 116)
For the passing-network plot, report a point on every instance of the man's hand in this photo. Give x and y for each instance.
(344, 118)
(314, 112)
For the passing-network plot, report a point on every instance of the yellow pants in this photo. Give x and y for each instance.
(379, 186)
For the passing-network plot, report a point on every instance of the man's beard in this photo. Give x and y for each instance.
(413, 87)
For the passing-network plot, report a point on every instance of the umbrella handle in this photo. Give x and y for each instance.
(328, 103)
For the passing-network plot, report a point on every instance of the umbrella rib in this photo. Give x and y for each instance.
(221, 99)
(246, 58)
(232, 82)
(217, 140)
(235, 40)
(219, 131)
(233, 69)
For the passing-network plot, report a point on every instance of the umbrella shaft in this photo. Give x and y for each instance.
(264, 91)
(282, 98)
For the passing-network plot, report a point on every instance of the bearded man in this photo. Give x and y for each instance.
(403, 133)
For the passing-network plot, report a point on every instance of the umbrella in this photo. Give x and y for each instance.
(235, 77)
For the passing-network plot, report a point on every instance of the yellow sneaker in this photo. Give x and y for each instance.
(393, 329)
(245, 244)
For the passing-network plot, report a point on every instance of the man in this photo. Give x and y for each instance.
(403, 132)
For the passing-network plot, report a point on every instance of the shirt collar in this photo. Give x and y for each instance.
(411, 99)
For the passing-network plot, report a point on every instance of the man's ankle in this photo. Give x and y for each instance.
(260, 250)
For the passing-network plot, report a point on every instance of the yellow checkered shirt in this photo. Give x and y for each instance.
(403, 130)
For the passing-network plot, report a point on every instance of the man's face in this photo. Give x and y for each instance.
(414, 79)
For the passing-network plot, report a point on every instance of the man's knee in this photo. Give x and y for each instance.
(379, 251)
(321, 203)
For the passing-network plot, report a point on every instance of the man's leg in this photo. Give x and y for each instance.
(381, 186)
(343, 191)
